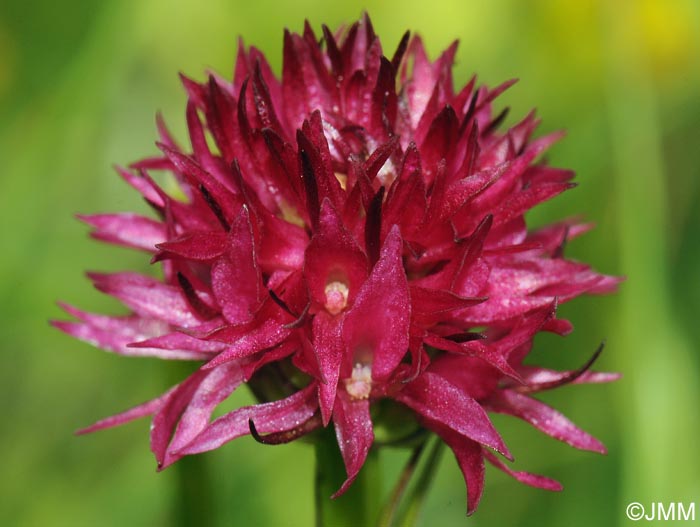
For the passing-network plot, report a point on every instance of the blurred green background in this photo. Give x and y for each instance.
(80, 82)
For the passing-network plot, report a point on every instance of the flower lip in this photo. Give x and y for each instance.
(359, 385)
(336, 296)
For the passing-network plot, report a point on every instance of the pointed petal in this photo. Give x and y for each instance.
(405, 204)
(353, 429)
(142, 185)
(147, 296)
(544, 418)
(137, 412)
(267, 335)
(534, 480)
(521, 202)
(470, 458)
(539, 379)
(317, 164)
(127, 229)
(543, 379)
(199, 177)
(236, 278)
(477, 349)
(214, 389)
(439, 400)
(197, 246)
(277, 416)
(169, 413)
(328, 347)
(464, 190)
(376, 328)
(116, 334)
(522, 328)
(180, 341)
(278, 353)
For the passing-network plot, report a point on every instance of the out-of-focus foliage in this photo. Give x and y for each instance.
(80, 82)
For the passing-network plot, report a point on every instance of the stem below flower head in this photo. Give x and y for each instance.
(360, 504)
(416, 498)
(194, 503)
(391, 507)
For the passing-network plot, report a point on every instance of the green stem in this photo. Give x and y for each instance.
(195, 504)
(392, 505)
(360, 504)
(194, 495)
(416, 499)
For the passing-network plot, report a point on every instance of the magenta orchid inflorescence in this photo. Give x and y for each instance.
(345, 239)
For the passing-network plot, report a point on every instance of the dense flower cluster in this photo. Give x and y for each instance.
(348, 237)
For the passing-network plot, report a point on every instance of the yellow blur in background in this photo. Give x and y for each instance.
(80, 83)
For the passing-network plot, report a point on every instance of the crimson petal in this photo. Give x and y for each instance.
(439, 400)
(328, 347)
(146, 296)
(277, 416)
(137, 412)
(534, 480)
(470, 458)
(544, 418)
(266, 335)
(214, 388)
(236, 278)
(130, 230)
(353, 429)
(118, 334)
(376, 328)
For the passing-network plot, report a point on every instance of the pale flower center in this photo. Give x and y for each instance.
(336, 297)
(359, 385)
